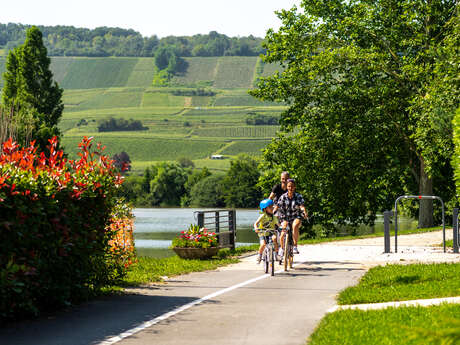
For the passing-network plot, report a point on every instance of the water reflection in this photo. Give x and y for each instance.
(154, 228)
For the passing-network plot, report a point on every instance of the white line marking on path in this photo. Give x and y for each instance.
(165, 316)
(416, 302)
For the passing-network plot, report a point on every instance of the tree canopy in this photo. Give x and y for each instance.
(372, 87)
(109, 41)
(29, 86)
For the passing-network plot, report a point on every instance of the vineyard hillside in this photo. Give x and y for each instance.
(204, 111)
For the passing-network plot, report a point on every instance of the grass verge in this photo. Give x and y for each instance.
(404, 282)
(376, 234)
(404, 325)
(150, 270)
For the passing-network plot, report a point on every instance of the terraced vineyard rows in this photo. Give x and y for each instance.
(180, 122)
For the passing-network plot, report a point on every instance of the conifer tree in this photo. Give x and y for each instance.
(29, 85)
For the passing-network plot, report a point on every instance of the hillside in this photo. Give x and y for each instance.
(180, 122)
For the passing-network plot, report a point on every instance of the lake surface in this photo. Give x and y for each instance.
(154, 228)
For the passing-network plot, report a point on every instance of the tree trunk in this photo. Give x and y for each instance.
(425, 217)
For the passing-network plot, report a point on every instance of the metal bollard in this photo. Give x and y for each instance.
(455, 229)
(386, 229)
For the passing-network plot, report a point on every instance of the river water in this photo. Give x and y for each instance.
(154, 228)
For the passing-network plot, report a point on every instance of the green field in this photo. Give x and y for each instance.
(178, 126)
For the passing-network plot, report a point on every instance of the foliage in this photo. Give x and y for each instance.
(51, 256)
(195, 237)
(255, 119)
(18, 124)
(168, 185)
(193, 92)
(106, 41)
(121, 161)
(167, 59)
(371, 88)
(112, 125)
(208, 192)
(185, 162)
(240, 183)
(29, 84)
(456, 155)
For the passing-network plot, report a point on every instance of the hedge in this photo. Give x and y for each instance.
(59, 222)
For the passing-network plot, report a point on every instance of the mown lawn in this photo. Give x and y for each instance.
(404, 282)
(392, 326)
(402, 325)
(148, 269)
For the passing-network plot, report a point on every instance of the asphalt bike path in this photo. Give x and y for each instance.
(237, 304)
(282, 309)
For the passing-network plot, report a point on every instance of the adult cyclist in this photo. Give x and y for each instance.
(291, 209)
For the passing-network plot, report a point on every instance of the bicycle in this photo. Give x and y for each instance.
(288, 248)
(269, 253)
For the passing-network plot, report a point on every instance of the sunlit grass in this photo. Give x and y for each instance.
(404, 282)
(402, 326)
(149, 270)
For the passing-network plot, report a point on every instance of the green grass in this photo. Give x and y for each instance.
(404, 282)
(147, 148)
(149, 270)
(376, 234)
(402, 326)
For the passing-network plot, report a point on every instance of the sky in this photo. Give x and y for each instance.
(154, 17)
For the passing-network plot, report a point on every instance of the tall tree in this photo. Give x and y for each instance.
(358, 77)
(240, 187)
(29, 84)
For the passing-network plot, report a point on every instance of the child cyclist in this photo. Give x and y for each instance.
(266, 221)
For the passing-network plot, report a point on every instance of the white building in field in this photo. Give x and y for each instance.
(217, 157)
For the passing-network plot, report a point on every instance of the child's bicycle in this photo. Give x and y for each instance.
(269, 254)
(288, 248)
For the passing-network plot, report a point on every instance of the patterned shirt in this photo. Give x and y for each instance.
(289, 209)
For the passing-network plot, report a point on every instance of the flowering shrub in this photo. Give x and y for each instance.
(121, 229)
(58, 229)
(195, 237)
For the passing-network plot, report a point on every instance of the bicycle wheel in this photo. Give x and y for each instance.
(266, 259)
(291, 256)
(272, 260)
(291, 250)
(286, 251)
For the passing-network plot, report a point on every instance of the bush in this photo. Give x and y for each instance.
(111, 125)
(50, 254)
(254, 119)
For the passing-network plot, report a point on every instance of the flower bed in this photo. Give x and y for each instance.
(195, 243)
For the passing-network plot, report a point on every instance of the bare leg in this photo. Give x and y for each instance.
(296, 227)
(283, 226)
